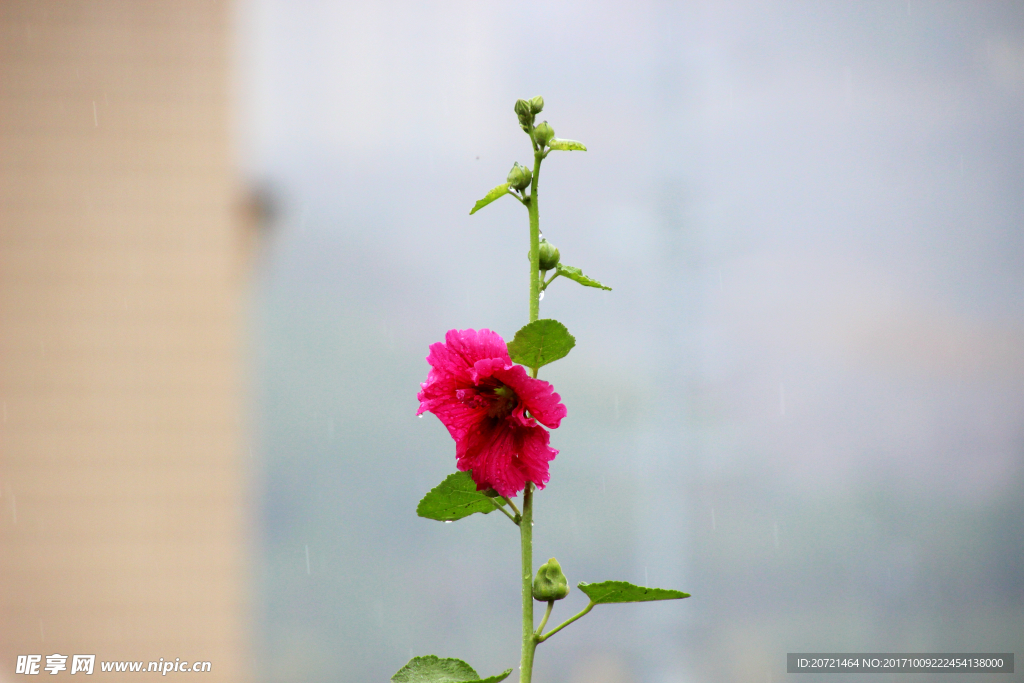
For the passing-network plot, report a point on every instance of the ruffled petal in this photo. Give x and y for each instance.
(443, 361)
(535, 454)
(490, 453)
(536, 395)
(488, 367)
(460, 419)
(504, 457)
(474, 345)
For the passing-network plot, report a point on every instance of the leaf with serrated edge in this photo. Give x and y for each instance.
(433, 669)
(456, 497)
(496, 193)
(494, 679)
(541, 342)
(574, 273)
(621, 591)
(567, 145)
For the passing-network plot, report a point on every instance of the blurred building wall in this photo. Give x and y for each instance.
(122, 518)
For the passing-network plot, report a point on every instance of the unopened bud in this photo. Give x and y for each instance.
(520, 177)
(537, 104)
(550, 583)
(525, 112)
(543, 133)
(548, 255)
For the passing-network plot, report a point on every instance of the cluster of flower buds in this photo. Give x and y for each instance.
(519, 177)
(527, 109)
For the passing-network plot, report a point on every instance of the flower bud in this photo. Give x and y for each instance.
(550, 583)
(520, 177)
(543, 133)
(548, 255)
(525, 112)
(537, 104)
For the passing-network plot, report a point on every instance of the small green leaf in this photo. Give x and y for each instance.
(541, 342)
(620, 591)
(568, 145)
(496, 193)
(574, 273)
(456, 497)
(433, 669)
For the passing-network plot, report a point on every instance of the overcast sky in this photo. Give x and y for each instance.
(811, 217)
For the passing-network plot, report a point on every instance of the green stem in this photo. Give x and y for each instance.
(526, 522)
(550, 280)
(535, 241)
(541, 639)
(512, 505)
(526, 544)
(544, 621)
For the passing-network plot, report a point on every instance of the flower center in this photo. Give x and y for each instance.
(505, 401)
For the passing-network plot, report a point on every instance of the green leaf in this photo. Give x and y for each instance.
(541, 342)
(494, 679)
(456, 497)
(568, 145)
(620, 591)
(496, 193)
(433, 669)
(574, 273)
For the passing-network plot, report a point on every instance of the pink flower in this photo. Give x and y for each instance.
(491, 408)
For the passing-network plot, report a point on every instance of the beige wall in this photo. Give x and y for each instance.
(122, 509)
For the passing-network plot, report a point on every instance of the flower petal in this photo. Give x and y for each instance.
(536, 395)
(473, 345)
(535, 454)
(504, 457)
(482, 369)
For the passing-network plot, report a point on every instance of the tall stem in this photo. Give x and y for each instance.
(526, 543)
(526, 523)
(535, 241)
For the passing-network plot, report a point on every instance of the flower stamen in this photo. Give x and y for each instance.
(505, 402)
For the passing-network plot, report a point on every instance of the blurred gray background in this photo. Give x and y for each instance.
(802, 402)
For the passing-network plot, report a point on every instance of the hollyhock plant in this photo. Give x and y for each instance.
(479, 388)
(492, 410)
